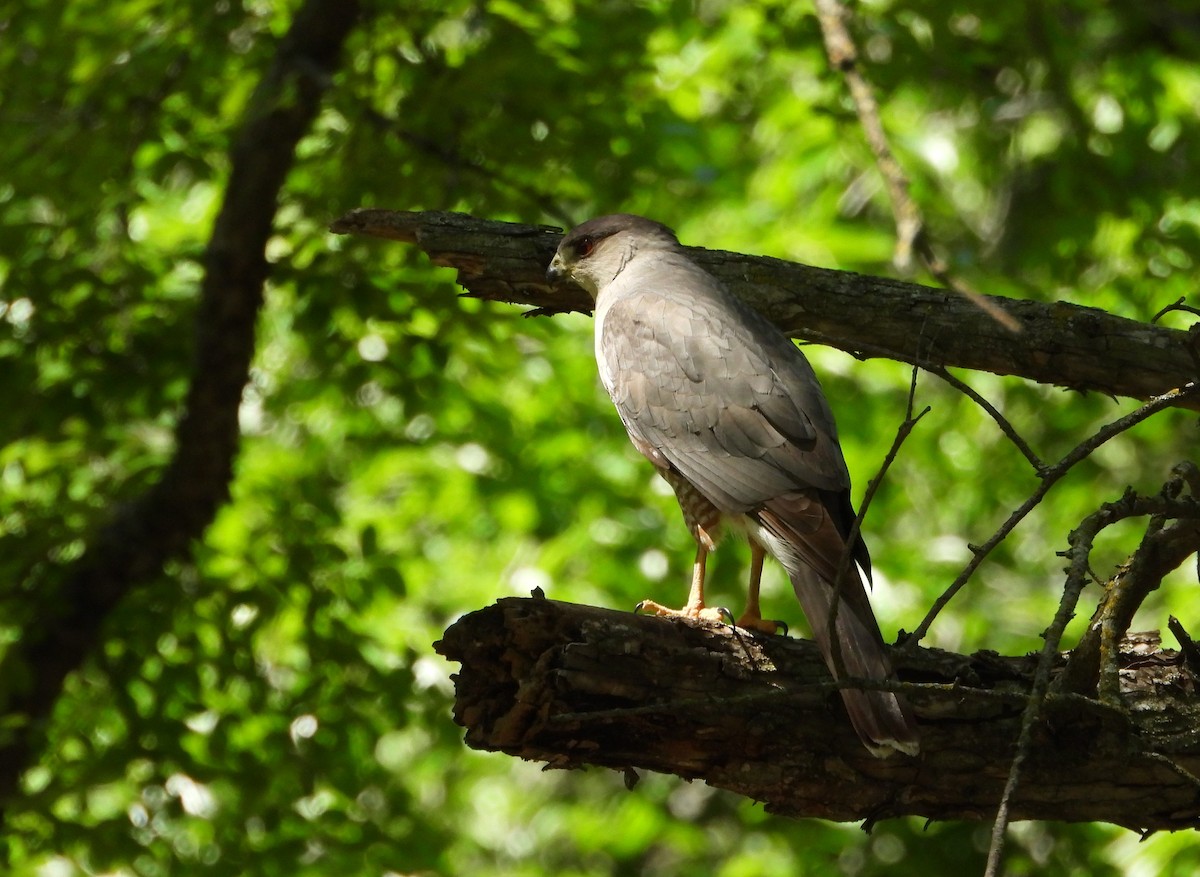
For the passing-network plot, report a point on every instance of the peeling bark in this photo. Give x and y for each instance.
(575, 685)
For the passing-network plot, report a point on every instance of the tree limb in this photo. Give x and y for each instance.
(575, 685)
(162, 523)
(1061, 344)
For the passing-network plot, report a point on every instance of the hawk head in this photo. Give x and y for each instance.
(593, 254)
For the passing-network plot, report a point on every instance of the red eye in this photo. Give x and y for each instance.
(584, 247)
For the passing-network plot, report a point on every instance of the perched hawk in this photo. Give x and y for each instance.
(730, 412)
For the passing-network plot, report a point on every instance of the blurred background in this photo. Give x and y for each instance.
(273, 705)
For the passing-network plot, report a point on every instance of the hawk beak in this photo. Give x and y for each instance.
(557, 270)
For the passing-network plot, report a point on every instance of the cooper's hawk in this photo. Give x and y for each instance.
(730, 412)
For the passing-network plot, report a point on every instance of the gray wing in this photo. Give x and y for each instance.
(707, 385)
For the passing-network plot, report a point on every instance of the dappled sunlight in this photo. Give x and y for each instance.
(261, 694)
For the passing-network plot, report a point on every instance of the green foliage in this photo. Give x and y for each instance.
(274, 706)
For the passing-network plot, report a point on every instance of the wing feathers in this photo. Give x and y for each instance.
(693, 383)
(708, 388)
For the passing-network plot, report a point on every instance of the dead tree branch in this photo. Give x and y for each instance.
(843, 57)
(575, 685)
(1060, 344)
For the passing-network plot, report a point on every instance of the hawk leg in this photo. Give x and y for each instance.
(694, 608)
(751, 618)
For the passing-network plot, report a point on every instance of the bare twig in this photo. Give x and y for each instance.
(1050, 476)
(867, 351)
(911, 233)
(1177, 305)
(1053, 635)
(1187, 645)
(843, 569)
(1002, 422)
(452, 158)
(843, 55)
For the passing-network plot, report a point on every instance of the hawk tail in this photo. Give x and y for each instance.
(883, 719)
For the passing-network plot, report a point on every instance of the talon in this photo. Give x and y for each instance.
(755, 622)
(726, 616)
(699, 613)
(651, 607)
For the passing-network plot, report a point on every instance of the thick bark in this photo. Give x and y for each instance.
(574, 685)
(1062, 344)
(162, 523)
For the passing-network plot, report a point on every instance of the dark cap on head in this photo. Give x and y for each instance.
(606, 226)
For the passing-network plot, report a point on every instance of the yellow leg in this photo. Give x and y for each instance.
(752, 618)
(694, 608)
(695, 600)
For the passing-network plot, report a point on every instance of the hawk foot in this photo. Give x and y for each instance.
(716, 614)
(758, 624)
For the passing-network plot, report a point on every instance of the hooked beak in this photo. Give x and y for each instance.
(557, 270)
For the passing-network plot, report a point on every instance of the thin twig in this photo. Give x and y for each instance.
(843, 55)
(1041, 679)
(1050, 476)
(1005, 427)
(846, 559)
(1177, 305)
(940, 371)
(911, 233)
(1187, 645)
(939, 269)
(451, 158)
